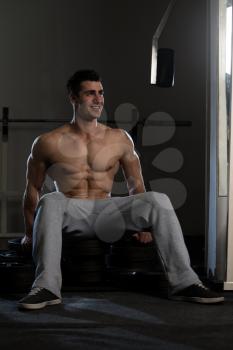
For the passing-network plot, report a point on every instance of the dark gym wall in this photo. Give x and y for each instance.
(43, 42)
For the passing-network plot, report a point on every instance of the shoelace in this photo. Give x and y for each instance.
(202, 286)
(35, 291)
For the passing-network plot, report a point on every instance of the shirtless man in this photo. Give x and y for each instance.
(82, 158)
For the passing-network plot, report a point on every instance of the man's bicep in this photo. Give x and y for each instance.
(131, 167)
(133, 174)
(130, 161)
(37, 164)
(36, 172)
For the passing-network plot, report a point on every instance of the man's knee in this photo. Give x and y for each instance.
(158, 199)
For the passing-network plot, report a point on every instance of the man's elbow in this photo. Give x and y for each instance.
(140, 188)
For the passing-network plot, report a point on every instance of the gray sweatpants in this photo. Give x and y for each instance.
(58, 216)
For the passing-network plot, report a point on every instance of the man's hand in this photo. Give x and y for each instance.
(143, 237)
(26, 243)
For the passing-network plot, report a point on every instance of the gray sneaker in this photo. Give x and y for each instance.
(198, 293)
(37, 299)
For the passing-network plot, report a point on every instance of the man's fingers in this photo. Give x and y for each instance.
(26, 244)
(143, 237)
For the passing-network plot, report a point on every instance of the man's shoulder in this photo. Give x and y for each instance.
(123, 137)
(117, 132)
(48, 139)
(52, 135)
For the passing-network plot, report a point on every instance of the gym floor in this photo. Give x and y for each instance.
(116, 319)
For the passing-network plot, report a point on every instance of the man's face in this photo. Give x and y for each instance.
(90, 100)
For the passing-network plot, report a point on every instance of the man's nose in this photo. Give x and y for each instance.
(98, 97)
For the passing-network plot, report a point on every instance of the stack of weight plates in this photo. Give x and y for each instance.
(83, 262)
(130, 262)
(16, 271)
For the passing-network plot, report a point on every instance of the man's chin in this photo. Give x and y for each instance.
(95, 116)
(90, 118)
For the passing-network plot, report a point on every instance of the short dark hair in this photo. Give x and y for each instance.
(74, 83)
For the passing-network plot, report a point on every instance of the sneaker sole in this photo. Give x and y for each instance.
(39, 305)
(198, 300)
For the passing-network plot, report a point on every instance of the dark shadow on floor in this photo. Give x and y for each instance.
(116, 320)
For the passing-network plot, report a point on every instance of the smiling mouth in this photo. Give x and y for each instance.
(96, 108)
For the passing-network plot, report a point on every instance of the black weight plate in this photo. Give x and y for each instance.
(130, 257)
(15, 244)
(8, 255)
(71, 279)
(76, 252)
(11, 255)
(90, 265)
(16, 276)
(15, 266)
(126, 270)
(149, 265)
(83, 248)
(132, 242)
(88, 243)
(76, 260)
(145, 265)
(134, 253)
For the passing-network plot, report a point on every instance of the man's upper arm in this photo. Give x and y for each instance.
(36, 166)
(131, 165)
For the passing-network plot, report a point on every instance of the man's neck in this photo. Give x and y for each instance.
(84, 126)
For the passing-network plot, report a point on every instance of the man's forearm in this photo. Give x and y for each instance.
(28, 222)
(30, 202)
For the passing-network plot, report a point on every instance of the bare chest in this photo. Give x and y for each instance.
(86, 156)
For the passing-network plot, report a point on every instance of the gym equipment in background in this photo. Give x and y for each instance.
(89, 264)
(162, 59)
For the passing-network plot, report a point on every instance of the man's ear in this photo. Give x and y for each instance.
(73, 98)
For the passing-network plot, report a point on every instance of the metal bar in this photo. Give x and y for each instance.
(178, 123)
(4, 150)
(25, 120)
(5, 120)
(28, 120)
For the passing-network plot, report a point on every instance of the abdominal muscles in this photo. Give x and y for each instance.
(81, 181)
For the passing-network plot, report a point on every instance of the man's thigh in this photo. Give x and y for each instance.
(79, 219)
(121, 214)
